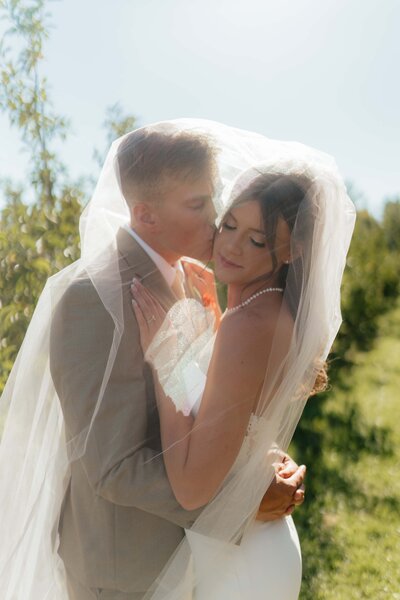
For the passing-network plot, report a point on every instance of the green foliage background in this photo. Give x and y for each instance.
(337, 437)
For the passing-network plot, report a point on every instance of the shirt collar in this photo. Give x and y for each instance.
(167, 271)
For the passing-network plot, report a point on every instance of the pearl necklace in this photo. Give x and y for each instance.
(253, 297)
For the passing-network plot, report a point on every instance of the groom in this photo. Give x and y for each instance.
(120, 522)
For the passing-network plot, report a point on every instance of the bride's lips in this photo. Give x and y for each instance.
(227, 263)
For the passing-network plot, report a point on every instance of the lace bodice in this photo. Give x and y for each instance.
(181, 352)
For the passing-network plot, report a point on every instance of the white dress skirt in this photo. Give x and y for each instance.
(265, 566)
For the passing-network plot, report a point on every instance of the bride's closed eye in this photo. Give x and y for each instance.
(257, 244)
(231, 227)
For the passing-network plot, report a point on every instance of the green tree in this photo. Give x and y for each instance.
(370, 283)
(39, 222)
(39, 233)
(116, 123)
(24, 94)
(391, 224)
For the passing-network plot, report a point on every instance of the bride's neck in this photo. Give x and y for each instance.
(235, 296)
(239, 293)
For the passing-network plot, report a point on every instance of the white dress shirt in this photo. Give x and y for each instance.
(168, 271)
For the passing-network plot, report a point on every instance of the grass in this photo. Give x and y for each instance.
(350, 529)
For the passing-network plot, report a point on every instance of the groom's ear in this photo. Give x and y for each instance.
(145, 215)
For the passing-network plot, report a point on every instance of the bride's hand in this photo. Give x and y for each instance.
(202, 283)
(149, 313)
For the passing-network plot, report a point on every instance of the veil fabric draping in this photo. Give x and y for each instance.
(43, 442)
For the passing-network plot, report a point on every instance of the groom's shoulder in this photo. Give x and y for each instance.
(80, 293)
(79, 314)
(82, 286)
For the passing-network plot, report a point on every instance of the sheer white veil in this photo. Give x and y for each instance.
(35, 453)
(319, 242)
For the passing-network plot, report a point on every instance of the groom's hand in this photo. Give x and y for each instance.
(285, 492)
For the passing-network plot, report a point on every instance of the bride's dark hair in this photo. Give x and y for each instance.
(286, 196)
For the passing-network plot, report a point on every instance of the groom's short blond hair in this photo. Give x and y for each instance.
(145, 158)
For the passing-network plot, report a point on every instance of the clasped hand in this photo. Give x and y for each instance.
(286, 491)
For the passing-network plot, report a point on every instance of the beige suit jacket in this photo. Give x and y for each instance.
(120, 522)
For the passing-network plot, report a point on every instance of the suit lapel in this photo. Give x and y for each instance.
(135, 262)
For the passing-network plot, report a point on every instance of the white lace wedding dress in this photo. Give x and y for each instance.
(266, 565)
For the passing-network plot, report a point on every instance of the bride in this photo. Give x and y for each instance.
(230, 392)
(225, 397)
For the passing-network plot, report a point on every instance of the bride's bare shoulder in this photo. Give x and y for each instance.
(245, 340)
(258, 322)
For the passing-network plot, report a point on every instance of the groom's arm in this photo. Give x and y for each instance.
(122, 460)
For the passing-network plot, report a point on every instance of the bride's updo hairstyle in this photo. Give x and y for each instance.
(145, 157)
(285, 196)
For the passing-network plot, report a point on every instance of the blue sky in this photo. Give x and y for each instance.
(323, 73)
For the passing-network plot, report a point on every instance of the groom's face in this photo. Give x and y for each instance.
(186, 217)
